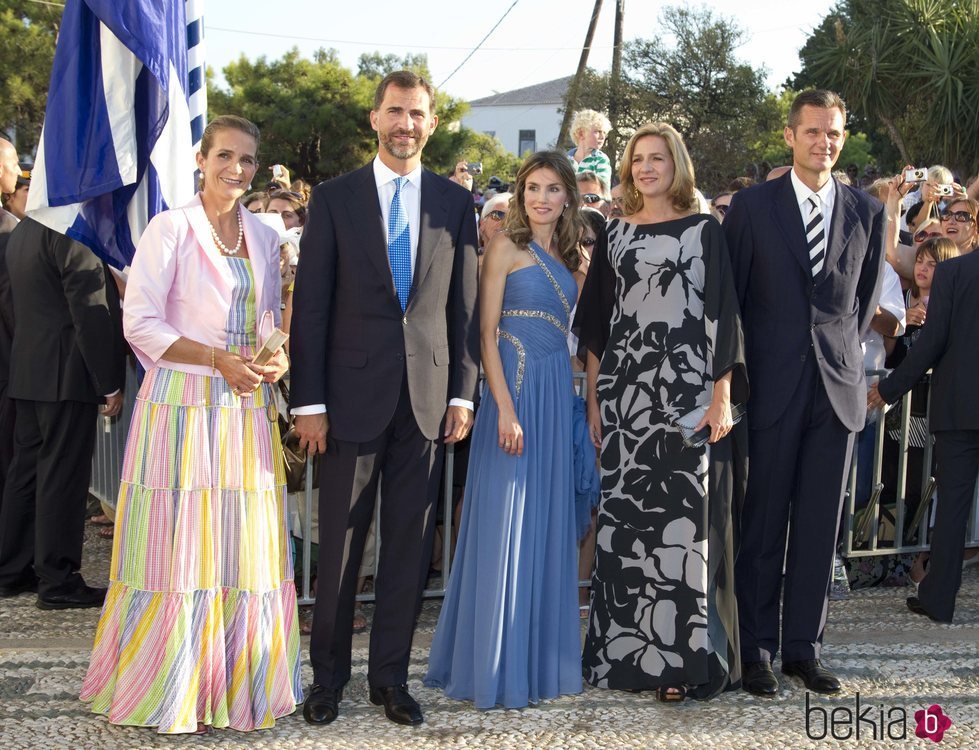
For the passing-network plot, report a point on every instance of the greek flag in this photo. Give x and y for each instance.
(125, 109)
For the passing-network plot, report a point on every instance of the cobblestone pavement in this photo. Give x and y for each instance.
(896, 662)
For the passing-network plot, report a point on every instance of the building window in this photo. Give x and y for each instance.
(528, 142)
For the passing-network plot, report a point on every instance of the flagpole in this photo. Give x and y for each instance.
(196, 70)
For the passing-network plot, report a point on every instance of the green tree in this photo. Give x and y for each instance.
(697, 84)
(910, 67)
(313, 114)
(376, 65)
(28, 32)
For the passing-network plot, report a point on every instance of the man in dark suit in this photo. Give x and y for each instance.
(385, 348)
(9, 170)
(807, 254)
(67, 357)
(947, 344)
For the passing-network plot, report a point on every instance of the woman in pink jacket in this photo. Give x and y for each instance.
(199, 625)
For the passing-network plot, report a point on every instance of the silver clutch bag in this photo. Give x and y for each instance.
(687, 424)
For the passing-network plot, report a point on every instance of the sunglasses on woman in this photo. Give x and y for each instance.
(722, 209)
(591, 198)
(497, 215)
(922, 234)
(587, 241)
(959, 217)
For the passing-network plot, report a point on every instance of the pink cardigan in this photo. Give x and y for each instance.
(180, 285)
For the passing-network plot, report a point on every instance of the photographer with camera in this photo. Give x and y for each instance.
(462, 175)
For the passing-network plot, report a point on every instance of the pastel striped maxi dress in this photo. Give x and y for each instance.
(199, 623)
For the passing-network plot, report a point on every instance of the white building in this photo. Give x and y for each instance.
(527, 119)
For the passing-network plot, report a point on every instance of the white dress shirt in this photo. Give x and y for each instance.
(411, 201)
(826, 195)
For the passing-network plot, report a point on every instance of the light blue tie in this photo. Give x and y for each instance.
(399, 245)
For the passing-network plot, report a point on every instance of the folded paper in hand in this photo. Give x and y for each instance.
(272, 344)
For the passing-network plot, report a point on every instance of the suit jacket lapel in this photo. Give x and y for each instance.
(202, 230)
(786, 215)
(434, 213)
(843, 222)
(365, 216)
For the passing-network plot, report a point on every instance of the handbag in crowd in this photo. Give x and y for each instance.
(295, 457)
(687, 424)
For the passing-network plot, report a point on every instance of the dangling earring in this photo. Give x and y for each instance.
(567, 205)
(635, 193)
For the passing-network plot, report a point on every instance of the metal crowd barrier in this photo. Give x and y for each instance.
(863, 528)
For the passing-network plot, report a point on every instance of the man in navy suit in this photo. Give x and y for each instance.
(385, 348)
(947, 344)
(807, 253)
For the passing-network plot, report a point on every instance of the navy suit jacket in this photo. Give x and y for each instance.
(949, 343)
(788, 316)
(350, 341)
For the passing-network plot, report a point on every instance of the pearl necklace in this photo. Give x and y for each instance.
(221, 246)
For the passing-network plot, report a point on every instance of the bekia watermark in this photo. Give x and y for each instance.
(873, 721)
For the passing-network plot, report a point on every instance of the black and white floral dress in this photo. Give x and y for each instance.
(660, 311)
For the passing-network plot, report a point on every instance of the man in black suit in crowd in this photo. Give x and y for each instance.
(67, 357)
(9, 169)
(385, 363)
(807, 254)
(948, 343)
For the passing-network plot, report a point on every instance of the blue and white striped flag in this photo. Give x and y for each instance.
(117, 146)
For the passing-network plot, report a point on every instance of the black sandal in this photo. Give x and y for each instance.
(671, 694)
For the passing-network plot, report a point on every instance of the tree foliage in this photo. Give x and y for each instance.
(697, 84)
(27, 39)
(910, 67)
(315, 114)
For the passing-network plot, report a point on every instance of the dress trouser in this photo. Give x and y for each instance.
(797, 473)
(958, 467)
(7, 422)
(407, 464)
(42, 520)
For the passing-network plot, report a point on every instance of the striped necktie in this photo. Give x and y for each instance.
(815, 235)
(399, 244)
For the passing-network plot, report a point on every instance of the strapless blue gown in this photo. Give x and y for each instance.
(509, 633)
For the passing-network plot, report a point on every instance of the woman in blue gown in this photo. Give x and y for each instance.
(508, 633)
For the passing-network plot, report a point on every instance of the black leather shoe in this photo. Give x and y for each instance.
(815, 676)
(322, 704)
(758, 678)
(914, 604)
(398, 704)
(80, 598)
(19, 587)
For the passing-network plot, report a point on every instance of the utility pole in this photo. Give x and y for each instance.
(576, 81)
(615, 87)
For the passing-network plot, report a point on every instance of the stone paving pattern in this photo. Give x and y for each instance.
(889, 656)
